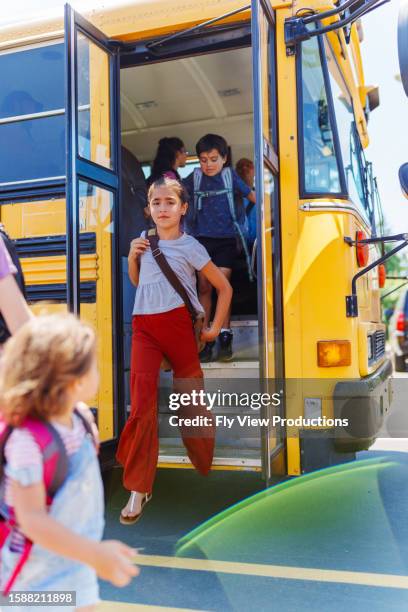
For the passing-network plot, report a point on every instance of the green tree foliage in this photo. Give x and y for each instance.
(396, 266)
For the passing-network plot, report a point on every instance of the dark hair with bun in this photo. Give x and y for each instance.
(165, 157)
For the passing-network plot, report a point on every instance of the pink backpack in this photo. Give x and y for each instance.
(55, 462)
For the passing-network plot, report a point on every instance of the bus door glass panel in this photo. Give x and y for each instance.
(39, 231)
(95, 245)
(93, 106)
(92, 195)
(266, 185)
(32, 133)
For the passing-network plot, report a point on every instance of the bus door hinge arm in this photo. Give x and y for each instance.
(351, 300)
(116, 45)
(159, 43)
(296, 28)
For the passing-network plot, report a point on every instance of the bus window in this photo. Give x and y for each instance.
(321, 173)
(191, 164)
(348, 135)
(32, 124)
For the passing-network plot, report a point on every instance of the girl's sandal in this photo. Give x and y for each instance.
(130, 520)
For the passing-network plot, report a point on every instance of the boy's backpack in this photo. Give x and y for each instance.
(55, 463)
(10, 246)
(250, 213)
(241, 224)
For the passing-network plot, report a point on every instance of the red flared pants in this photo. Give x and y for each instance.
(170, 334)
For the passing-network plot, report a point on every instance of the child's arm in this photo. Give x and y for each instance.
(224, 292)
(12, 304)
(243, 188)
(112, 560)
(137, 247)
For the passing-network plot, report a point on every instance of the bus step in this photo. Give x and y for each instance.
(244, 459)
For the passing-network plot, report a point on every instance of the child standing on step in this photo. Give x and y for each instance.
(47, 367)
(162, 327)
(216, 222)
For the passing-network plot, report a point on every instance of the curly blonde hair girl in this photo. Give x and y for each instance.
(40, 363)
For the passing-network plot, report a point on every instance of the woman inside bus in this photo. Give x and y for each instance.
(170, 156)
(13, 306)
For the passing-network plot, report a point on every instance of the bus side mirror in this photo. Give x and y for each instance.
(403, 179)
(403, 43)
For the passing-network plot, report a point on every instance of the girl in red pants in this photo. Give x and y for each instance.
(162, 326)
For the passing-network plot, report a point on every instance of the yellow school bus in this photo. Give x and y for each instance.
(83, 103)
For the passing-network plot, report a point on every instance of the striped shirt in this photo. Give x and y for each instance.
(24, 461)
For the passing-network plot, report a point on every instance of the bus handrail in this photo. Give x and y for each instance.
(351, 300)
(40, 115)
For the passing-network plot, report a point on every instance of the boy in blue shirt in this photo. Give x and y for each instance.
(211, 220)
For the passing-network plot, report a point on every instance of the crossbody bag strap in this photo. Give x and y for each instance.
(169, 272)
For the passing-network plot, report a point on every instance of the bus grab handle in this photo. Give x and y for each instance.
(351, 300)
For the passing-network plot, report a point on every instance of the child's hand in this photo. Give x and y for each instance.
(208, 334)
(137, 247)
(115, 562)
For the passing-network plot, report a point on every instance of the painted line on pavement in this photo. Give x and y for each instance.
(391, 581)
(119, 606)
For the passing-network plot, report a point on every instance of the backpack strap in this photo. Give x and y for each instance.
(169, 273)
(86, 424)
(54, 454)
(197, 176)
(55, 465)
(18, 567)
(5, 431)
(199, 194)
(227, 179)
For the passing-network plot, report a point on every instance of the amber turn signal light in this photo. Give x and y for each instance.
(332, 353)
(361, 250)
(382, 275)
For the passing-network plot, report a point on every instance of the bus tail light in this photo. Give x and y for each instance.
(361, 250)
(332, 353)
(382, 275)
(400, 326)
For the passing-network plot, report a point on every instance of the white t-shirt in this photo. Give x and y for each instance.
(154, 293)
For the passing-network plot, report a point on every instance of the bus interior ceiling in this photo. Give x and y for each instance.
(188, 98)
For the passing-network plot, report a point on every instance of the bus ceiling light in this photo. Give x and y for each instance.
(361, 249)
(333, 353)
(382, 275)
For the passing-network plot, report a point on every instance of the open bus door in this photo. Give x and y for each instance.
(92, 192)
(268, 230)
